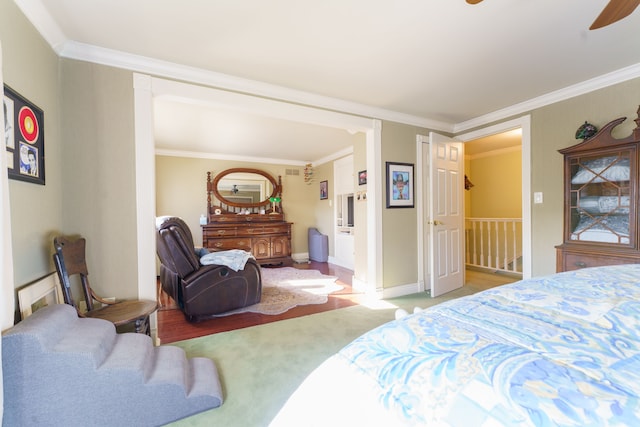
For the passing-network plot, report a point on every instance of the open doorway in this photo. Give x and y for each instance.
(524, 254)
(493, 203)
(146, 88)
(523, 125)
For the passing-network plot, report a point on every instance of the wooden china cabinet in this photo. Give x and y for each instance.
(244, 211)
(601, 201)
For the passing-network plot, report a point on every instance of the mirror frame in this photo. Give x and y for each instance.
(222, 199)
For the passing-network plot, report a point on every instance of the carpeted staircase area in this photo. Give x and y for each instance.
(63, 370)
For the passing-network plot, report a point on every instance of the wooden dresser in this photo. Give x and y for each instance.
(601, 177)
(245, 212)
(266, 236)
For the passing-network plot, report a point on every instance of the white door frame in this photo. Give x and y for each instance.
(524, 123)
(146, 88)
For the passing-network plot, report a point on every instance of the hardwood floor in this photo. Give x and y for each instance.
(172, 325)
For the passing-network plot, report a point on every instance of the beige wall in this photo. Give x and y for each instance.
(497, 190)
(31, 68)
(323, 209)
(98, 173)
(399, 228)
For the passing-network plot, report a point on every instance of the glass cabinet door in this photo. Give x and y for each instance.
(600, 203)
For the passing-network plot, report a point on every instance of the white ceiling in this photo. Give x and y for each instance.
(442, 64)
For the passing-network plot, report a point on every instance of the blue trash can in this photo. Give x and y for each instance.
(318, 246)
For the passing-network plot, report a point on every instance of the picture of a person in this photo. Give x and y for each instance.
(24, 159)
(400, 186)
(7, 105)
(33, 163)
(28, 160)
(324, 190)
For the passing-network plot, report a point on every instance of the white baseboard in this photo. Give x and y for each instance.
(300, 258)
(385, 293)
(338, 262)
(362, 286)
(400, 291)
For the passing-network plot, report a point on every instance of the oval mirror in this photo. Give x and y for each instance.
(243, 187)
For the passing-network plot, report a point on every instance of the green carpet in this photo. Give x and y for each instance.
(261, 366)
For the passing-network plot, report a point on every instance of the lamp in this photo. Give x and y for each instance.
(273, 201)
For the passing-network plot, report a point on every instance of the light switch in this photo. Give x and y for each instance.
(537, 197)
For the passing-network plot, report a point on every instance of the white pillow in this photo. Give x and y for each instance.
(614, 205)
(616, 171)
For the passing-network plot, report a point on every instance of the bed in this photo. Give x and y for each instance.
(559, 350)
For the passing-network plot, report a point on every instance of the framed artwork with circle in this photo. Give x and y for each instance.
(24, 137)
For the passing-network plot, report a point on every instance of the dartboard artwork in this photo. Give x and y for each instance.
(24, 137)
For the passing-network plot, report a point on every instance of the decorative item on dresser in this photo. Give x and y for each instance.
(601, 200)
(244, 211)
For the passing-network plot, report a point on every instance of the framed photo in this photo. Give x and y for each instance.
(362, 177)
(44, 292)
(24, 137)
(400, 186)
(324, 190)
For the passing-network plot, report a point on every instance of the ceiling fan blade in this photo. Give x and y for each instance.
(613, 12)
(473, 1)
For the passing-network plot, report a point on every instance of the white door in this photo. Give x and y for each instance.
(445, 214)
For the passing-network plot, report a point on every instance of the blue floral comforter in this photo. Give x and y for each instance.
(560, 350)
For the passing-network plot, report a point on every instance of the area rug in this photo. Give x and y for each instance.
(286, 287)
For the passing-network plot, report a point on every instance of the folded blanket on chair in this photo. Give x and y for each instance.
(235, 259)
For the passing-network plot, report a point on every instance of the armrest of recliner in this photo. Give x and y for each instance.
(211, 272)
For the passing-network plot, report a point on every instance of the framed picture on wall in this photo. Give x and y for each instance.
(324, 190)
(24, 138)
(400, 186)
(362, 177)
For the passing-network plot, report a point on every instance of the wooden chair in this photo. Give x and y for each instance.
(70, 260)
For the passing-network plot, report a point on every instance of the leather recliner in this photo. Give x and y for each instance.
(201, 291)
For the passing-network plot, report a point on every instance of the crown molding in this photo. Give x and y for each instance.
(251, 159)
(40, 18)
(605, 80)
(233, 157)
(79, 51)
(170, 70)
(192, 94)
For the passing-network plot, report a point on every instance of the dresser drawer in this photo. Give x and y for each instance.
(267, 237)
(261, 230)
(575, 261)
(227, 244)
(219, 232)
